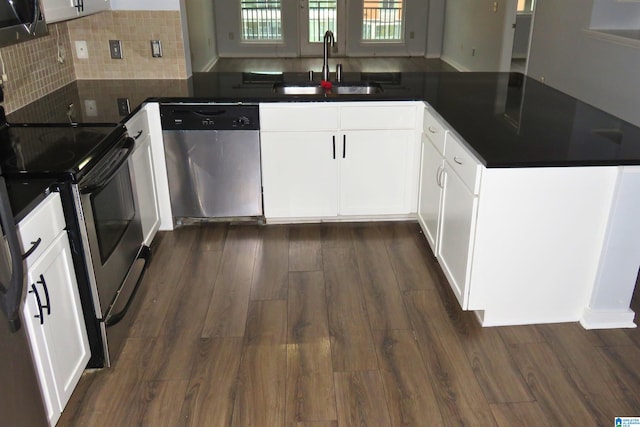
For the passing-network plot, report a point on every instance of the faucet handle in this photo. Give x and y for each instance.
(339, 73)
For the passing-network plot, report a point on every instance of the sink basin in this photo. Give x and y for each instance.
(311, 88)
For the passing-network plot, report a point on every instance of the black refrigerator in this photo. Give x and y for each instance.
(21, 403)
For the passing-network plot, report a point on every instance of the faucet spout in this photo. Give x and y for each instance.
(328, 38)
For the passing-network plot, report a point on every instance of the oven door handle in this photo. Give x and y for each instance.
(126, 144)
(112, 319)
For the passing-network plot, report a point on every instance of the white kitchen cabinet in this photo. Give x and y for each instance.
(52, 311)
(430, 195)
(144, 176)
(373, 172)
(299, 174)
(62, 10)
(456, 232)
(339, 160)
(517, 245)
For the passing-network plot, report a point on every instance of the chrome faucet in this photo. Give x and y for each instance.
(328, 38)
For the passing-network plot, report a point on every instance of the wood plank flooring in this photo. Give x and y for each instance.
(340, 325)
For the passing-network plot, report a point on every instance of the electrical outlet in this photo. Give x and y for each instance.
(231, 35)
(156, 49)
(473, 52)
(123, 106)
(82, 52)
(412, 34)
(115, 47)
(495, 6)
(91, 107)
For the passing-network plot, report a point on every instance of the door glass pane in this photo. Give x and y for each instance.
(382, 20)
(322, 17)
(261, 20)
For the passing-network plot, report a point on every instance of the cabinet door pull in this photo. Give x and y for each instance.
(34, 291)
(138, 134)
(46, 294)
(344, 146)
(432, 129)
(34, 246)
(334, 147)
(457, 160)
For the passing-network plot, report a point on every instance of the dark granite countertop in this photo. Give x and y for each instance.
(26, 195)
(507, 120)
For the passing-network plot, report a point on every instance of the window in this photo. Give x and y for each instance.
(526, 5)
(382, 20)
(261, 20)
(322, 17)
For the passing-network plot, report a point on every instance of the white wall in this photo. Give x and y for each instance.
(202, 34)
(521, 38)
(596, 70)
(474, 38)
(608, 14)
(145, 4)
(418, 21)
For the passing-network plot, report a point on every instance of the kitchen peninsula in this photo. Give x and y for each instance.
(579, 166)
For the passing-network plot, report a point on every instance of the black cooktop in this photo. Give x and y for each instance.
(54, 150)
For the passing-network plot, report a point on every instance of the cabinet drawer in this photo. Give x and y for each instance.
(435, 130)
(138, 126)
(378, 117)
(463, 163)
(298, 117)
(40, 227)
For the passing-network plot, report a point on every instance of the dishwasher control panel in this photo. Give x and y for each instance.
(209, 117)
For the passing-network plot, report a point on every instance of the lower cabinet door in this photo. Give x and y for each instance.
(430, 195)
(456, 234)
(56, 328)
(299, 174)
(375, 171)
(145, 189)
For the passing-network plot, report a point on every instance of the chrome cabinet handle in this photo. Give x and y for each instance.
(432, 129)
(34, 246)
(344, 146)
(439, 175)
(457, 160)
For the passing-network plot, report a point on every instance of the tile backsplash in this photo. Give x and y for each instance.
(33, 69)
(135, 29)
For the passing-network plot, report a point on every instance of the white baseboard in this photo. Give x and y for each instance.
(313, 220)
(607, 319)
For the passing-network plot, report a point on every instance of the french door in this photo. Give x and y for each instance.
(316, 17)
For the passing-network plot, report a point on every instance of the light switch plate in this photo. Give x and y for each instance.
(156, 49)
(115, 47)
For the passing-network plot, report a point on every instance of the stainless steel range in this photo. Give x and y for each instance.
(92, 165)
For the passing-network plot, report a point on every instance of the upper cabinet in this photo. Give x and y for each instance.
(62, 10)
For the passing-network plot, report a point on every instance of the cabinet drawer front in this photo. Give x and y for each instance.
(298, 117)
(41, 226)
(138, 126)
(378, 117)
(463, 163)
(435, 130)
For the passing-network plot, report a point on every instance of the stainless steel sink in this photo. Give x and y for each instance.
(357, 88)
(311, 88)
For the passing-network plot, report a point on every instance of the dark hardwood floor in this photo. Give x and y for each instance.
(341, 325)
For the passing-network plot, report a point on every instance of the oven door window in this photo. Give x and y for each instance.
(113, 211)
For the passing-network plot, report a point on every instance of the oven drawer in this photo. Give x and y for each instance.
(40, 227)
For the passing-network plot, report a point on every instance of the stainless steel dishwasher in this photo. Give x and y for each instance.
(212, 153)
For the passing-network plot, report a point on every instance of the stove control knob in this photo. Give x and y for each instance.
(243, 121)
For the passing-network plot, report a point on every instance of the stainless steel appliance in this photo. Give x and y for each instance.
(91, 166)
(20, 20)
(21, 403)
(212, 153)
